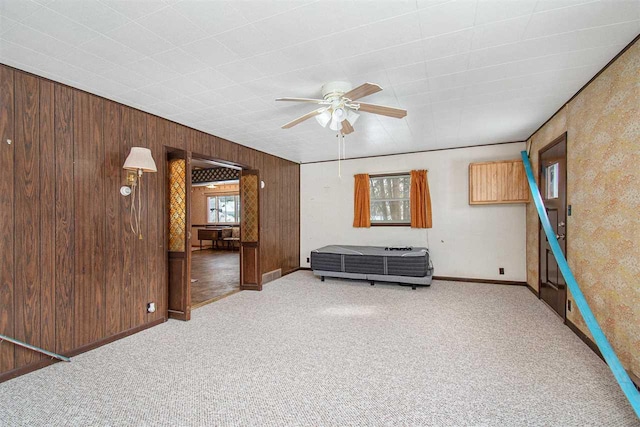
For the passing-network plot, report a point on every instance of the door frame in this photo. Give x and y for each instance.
(562, 138)
(185, 276)
(190, 156)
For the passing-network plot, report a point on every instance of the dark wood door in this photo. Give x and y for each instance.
(179, 234)
(553, 187)
(250, 278)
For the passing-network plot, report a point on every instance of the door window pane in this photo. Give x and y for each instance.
(551, 178)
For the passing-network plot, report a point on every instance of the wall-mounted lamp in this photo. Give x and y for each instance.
(139, 160)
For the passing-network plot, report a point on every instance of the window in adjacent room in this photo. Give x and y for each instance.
(390, 199)
(223, 209)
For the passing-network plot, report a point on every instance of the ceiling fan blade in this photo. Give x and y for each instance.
(363, 90)
(302, 118)
(382, 110)
(346, 127)
(313, 101)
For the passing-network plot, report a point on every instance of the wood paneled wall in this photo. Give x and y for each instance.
(72, 275)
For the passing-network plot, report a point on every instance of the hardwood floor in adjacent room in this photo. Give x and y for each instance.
(217, 273)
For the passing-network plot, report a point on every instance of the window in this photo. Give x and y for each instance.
(552, 173)
(223, 209)
(390, 199)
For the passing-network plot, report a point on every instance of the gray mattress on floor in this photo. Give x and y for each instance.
(373, 263)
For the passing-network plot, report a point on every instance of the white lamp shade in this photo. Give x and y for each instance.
(323, 118)
(140, 159)
(335, 125)
(339, 114)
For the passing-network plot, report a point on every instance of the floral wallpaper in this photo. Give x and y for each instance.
(603, 188)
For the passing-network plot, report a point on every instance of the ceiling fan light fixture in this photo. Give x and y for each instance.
(339, 114)
(335, 125)
(324, 118)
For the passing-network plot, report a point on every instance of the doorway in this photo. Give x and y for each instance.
(215, 231)
(553, 188)
(182, 238)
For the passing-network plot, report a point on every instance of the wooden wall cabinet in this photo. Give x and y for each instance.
(498, 182)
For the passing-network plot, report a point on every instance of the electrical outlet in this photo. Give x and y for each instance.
(501, 270)
(569, 305)
(308, 260)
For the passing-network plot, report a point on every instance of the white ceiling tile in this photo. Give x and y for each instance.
(209, 98)
(384, 58)
(161, 92)
(390, 32)
(185, 86)
(498, 10)
(245, 41)
(214, 17)
(137, 97)
(209, 78)
(226, 82)
(85, 60)
(582, 16)
(188, 104)
(111, 50)
(368, 11)
(448, 80)
(164, 109)
(152, 70)
(449, 44)
(140, 39)
(407, 73)
(30, 38)
(18, 9)
(448, 65)
(179, 61)
(90, 13)
(543, 5)
(276, 62)
(6, 24)
(211, 52)
(134, 9)
(12, 53)
(240, 71)
(125, 76)
(100, 85)
(447, 17)
(255, 10)
(234, 93)
(59, 26)
(171, 25)
(499, 33)
(411, 88)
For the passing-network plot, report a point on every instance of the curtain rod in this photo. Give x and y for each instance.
(404, 172)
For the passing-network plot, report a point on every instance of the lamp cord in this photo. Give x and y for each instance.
(134, 213)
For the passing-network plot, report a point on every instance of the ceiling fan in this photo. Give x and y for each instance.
(339, 106)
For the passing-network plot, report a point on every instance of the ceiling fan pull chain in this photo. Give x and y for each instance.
(339, 166)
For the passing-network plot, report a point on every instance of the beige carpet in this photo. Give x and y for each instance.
(341, 353)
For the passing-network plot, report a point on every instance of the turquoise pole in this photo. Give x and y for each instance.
(609, 355)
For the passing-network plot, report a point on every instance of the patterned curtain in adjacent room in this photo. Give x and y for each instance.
(361, 201)
(420, 200)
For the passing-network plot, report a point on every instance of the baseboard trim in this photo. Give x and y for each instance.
(585, 339)
(592, 345)
(305, 268)
(6, 376)
(533, 291)
(472, 280)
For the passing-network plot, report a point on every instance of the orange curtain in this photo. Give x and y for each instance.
(420, 200)
(361, 202)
